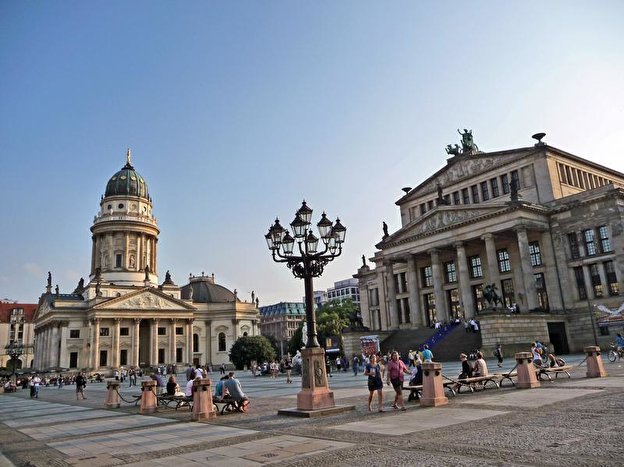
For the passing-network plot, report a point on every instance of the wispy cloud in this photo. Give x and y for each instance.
(33, 269)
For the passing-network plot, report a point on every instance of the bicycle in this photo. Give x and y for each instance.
(614, 353)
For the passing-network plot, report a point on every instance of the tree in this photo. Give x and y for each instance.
(296, 341)
(249, 348)
(332, 318)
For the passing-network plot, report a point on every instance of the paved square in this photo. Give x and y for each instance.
(527, 397)
(425, 419)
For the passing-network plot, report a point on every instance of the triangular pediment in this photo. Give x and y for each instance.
(145, 299)
(442, 218)
(459, 168)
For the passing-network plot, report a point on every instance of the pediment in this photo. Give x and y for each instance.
(442, 218)
(146, 299)
(43, 309)
(464, 167)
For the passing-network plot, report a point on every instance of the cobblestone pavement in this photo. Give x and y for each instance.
(572, 422)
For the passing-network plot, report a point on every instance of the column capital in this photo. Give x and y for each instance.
(520, 228)
(155, 320)
(137, 320)
(487, 236)
(117, 320)
(173, 320)
(433, 252)
(458, 245)
(189, 321)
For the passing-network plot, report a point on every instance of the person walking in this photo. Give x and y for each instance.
(375, 382)
(81, 382)
(427, 355)
(498, 353)
(356, 363)
(395, 371)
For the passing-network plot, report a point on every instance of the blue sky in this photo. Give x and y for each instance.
(237, 111)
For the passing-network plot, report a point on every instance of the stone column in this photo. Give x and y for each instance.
(208, 330)
(416, 312)
(112, 394)
(464, 281)
(154, 343)
(527, 269)
(392, 304)
(527, 377)
(603, 279)
(95, 358)
(115, 349)
(492, 260)
(54, 346)
(438, 286)
(135, 342)
(189, 341)
(589, 287)
(172, 341)
(202, 401)
(235, 328)
(148, 397)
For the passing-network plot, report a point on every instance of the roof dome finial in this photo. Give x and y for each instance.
(128, 156)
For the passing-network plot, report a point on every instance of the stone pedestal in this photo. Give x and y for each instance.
(527, 377)
(595, 368)
(148, 397)
(202, 401)
(315, 393)
(433, 386)
(112, 396)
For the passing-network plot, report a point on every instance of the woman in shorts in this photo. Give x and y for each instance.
(375, 382)
(395, 371)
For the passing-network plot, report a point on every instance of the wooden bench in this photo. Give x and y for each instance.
(224, 405)
(168, 401)
(479, 381)
(557, 370)
(416, 391)
(507, 377)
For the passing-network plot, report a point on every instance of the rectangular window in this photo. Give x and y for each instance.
(574, 248)
(590, 243)
(373, 297)
(429, 205)
(104, 332)
(580, 283)
(494, 186)
(504, 263)
(123, 357)
(595, 279)
(454, 304)
(612, 283)
(456, 197)
(430, 306)
(562, 173)
(117, 261)
(465, 196)
(569, 175)
(423, 208)
(603, 235)
(534, 253)
(124, 331)
(401, 282)
(427, 276)
(447, 199)
(476, 269)
(161, 355)
(178, 355)
(485, 192)
(542, 295)
(475, 193)
(162, 331)
(515, 178)
(74, 333)
(477, 295)
(179, 331)
(451, 273)
(399, 311)
(103, 358)
(508, 292)
(73, 359)
(505, 183)
(406, 309)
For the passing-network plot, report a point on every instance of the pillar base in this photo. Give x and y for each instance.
(112, 395)
(595, 368)
(527, 377)
(433, 387)
(148, 397)
(202, 401)
(315, 393)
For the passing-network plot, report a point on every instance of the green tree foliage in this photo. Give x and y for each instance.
(296, 341)
(249, 348)
(332, 318)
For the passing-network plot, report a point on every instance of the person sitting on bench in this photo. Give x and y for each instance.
(466, 370)
(236, 392)
(480, 367)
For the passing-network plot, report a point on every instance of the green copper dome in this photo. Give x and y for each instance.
(127, 182)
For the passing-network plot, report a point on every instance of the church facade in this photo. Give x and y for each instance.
(123, 317)
(529, 241)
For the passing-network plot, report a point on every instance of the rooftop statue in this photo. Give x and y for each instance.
(468, 145)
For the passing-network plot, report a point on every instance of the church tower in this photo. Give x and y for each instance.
(125, 232)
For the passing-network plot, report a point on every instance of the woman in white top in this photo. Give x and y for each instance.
(480, 367)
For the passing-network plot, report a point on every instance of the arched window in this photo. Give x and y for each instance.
(221, 342)
(245, 334)
(195, 342)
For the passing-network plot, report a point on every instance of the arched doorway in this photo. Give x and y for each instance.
(144, 343)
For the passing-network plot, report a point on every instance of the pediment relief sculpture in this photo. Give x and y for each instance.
(442, 219)
(144, 301)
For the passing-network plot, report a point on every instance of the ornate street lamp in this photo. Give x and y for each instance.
(14, 350)
(307, 262)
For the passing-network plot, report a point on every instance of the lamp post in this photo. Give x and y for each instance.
(306, 263)
(14, 350)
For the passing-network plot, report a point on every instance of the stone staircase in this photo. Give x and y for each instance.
(446, 349)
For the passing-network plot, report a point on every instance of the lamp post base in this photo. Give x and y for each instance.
(315, 393)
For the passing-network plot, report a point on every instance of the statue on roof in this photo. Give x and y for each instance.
(147, 271)
(168, 278)
(385, 229)
(363, 261)
(468, 144)
(49, 279)
(128, 156)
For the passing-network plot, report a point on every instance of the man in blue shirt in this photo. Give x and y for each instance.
(427, 354)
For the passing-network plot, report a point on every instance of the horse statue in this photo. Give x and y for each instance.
(355, 318)
(492, 297)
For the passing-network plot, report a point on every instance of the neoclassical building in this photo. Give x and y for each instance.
(123, 317)
(542, 226)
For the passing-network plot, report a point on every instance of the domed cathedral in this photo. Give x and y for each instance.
(123, 317)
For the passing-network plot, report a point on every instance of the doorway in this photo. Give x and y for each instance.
(558, 338)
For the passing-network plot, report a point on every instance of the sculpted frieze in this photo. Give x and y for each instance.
(462, 169)
(442, 219)
(145, 301)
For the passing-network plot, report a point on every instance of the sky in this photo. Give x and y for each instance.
(237, 111)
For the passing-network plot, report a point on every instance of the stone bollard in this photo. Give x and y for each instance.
(433, 387)
(595, 368)
(112, 396)
(527, 377)
(202, 401)
(148, 397)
